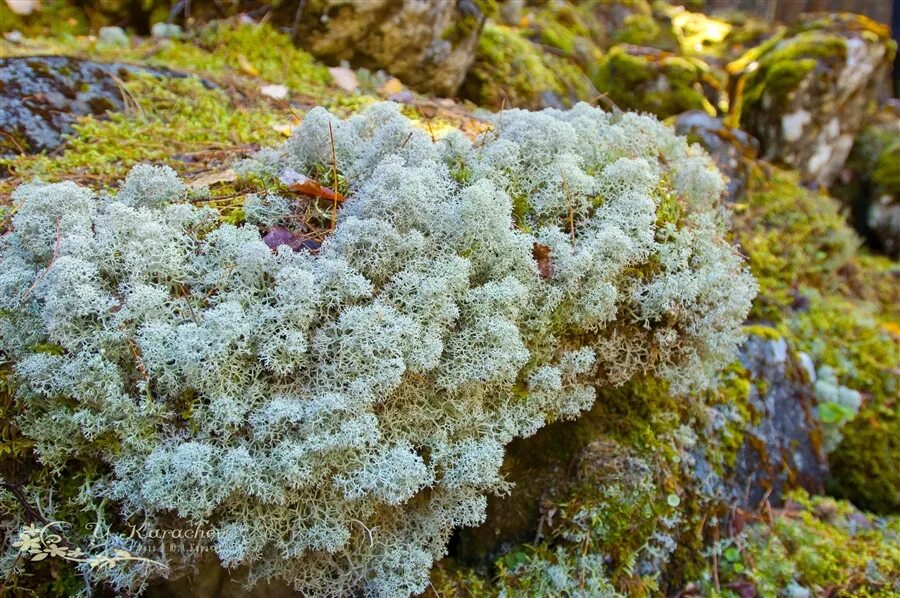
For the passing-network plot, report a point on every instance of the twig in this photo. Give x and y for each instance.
(15, 141)
(128, 95)
(8, 218)
(570, 206)
(334, 176)
(427, 121)
(32, 513)
(49, 264)
(297, 15)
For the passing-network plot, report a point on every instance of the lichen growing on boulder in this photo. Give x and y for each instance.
(347, 409)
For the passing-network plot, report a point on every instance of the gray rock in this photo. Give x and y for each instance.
(42, 96)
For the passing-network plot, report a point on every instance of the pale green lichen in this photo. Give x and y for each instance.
(352, 406)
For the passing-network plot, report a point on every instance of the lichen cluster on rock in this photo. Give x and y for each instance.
(353, 405)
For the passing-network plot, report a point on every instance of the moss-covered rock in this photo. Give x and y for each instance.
(43, 96)
(804, 94)
(650, 80)
(511, 71)
(429, 46)
(837, 306)
(733, 149)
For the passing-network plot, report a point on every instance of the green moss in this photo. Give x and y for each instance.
(824, 546)
(887, 169)
(782, 64)
(224, 46)
(865, 354)
(792, 237)
(655, 82)
(566, 27)
(638, 29)
(510, 71)
(56, 18)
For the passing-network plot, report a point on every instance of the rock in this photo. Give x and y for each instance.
(783, 448)
(427, 45)
(804, 94)
(276, 92)
(165, 30)
(869, 184)
(650, 80)
(732, 149)
(42, 96)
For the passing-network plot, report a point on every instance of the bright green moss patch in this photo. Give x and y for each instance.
(792, 237)
(649, 81)
(173, 121)
(814, 546)
(256, 50)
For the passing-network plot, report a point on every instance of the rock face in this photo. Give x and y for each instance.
(805, 94)
(783, 449)
(41, 97)
(732, 149)
(428, 45)
(870, 183)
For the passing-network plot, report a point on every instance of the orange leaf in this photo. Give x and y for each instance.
(310, 187)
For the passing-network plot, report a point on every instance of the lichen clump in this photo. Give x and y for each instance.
(335, 414)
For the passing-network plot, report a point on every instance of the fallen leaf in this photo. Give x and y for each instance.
(246, 66)
(311, 187)
(300, 183)
(277, 92)
(285, 129)
(212, 178)
(344, 78)
(541, 254)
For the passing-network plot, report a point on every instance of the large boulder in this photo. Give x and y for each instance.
(804, 94)
(428, 45)
(512, 71)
